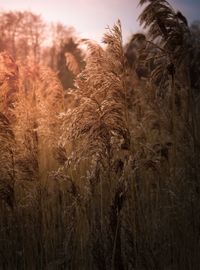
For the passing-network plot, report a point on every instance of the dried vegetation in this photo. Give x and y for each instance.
(105, 175)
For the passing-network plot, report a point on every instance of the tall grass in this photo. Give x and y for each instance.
(105, 175)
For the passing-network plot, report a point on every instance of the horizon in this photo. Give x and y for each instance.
(99, 14)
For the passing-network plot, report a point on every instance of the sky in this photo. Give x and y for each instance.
(91, 17)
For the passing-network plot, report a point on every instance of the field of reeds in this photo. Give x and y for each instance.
(104, 174)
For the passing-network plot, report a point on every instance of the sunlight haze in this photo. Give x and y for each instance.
(91, 17)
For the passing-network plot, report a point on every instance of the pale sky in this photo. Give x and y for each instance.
(91, 17)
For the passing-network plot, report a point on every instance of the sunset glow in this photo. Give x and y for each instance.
(90, 17)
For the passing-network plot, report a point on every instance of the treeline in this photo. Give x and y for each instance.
(28, 39)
